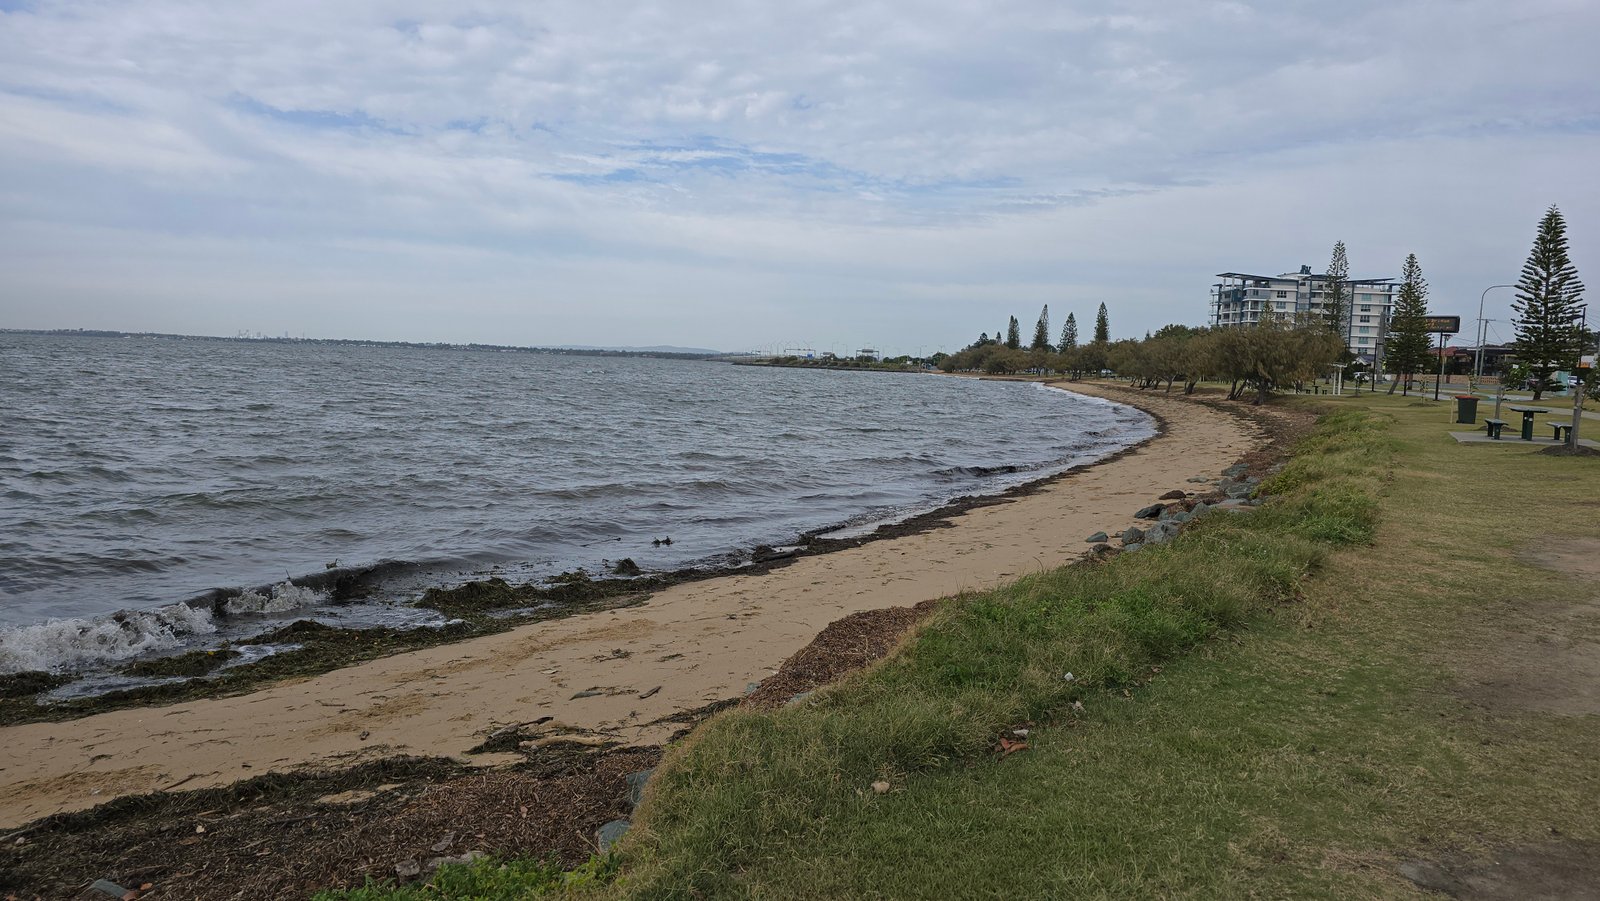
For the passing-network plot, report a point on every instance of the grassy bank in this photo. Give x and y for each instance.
(1389, 668)
(754, 799)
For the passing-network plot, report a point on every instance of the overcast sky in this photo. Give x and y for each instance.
(753, 174)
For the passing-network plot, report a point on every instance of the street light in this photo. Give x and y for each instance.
(1482, 333)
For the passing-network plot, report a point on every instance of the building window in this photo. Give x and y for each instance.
(1364, 330)
(1363, 340)
(1282, 294)
(1366, 308)
(1366, 318)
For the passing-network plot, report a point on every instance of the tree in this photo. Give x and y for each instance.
(1102, 327)
(1409, 345)
(1013, 334)
(1549, 336)
(1041, 331)
(1069, 333)
(1335, 304)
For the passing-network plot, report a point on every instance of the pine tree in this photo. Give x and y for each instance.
(1013, 334)
(1069, 333)
(1335, 296)
(1549, 336)
(1102, 327)
(1041, 331)
(1409, 344)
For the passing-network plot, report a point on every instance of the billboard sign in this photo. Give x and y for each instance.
(1450, 325)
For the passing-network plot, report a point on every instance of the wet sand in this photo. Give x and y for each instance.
(616, 675)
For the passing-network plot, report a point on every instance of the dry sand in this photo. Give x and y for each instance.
(686, 647)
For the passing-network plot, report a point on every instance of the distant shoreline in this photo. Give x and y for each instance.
(662, 353)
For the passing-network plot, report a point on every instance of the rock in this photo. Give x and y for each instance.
(408, 868)
(1102, 548)
(880, 787)
(626, 567)
(1181, 517)
(444, 844)
(1098, 537)
(1199, 509)
(1199, 480)
(797, 698)
(1130, 548)
(1174, 496)
(1150, 512)
(434, 863)
(610, 833)
(636, 784)
(1236, 470)
(1132, 536)
(1239, 491)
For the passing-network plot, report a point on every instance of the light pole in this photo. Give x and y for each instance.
(1477, 366)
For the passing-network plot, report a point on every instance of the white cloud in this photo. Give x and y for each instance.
(921, 169)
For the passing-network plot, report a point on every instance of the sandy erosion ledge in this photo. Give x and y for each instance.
(686, 647)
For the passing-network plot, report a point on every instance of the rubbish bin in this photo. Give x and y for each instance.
(1466, 408)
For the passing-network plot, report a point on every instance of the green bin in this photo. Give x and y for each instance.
(1466, 408)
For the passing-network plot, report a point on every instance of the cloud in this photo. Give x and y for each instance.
(884, 167)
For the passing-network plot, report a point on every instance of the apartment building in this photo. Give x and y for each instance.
(1240, 298)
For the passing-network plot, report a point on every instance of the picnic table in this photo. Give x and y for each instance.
(1527, 419)
(1561, 429)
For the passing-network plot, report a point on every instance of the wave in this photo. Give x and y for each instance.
(78, 643)
(280, 598)
(72, 643)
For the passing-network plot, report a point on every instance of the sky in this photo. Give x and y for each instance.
(762, 176)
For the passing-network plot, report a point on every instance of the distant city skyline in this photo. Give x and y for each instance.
(747, 177)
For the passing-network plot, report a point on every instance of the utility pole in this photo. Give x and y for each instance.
(1579, 389)
(1483, 332)
(1440, 380)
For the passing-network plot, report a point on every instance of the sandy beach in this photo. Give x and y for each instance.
(616, 676)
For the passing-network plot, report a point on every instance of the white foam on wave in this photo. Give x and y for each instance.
(280, 598)
(60, 644)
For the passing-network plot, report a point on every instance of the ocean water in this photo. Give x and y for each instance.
(138, 474)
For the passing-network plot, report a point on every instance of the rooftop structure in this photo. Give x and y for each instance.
(1241, 298)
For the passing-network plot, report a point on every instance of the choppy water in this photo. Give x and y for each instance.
(138, 473)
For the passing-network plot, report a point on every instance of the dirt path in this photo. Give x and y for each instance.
(617, 675)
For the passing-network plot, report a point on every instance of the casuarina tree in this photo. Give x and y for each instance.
(1549, 335)
(1102, 327)
(1041, 331)
(1013, 334)
(1069, 333)
(1409, 344)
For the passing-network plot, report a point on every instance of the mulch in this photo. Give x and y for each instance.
(842, 647)
(288, 836)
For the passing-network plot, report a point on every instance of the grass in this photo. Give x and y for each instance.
(487, 880)
(1279, 704)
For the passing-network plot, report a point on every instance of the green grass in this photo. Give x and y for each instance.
(1272, 706)
(486, 880)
